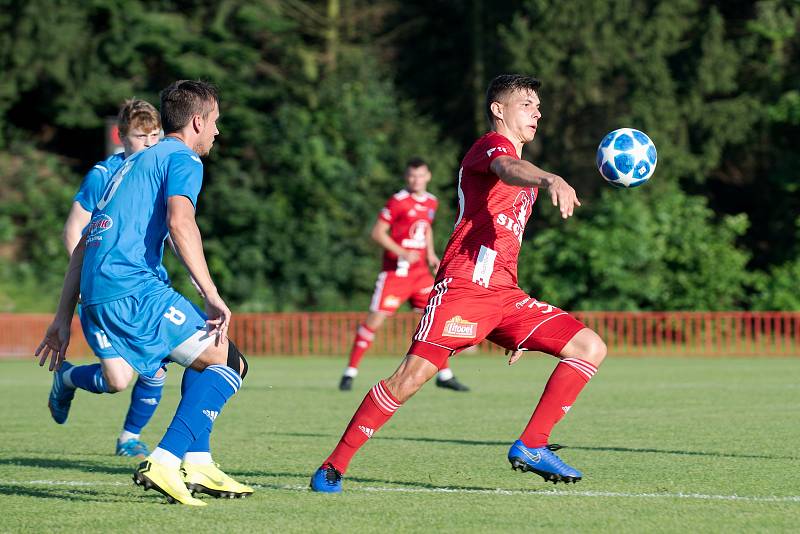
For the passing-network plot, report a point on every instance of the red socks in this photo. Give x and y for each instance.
(377, 407)
(361, 343)
(566, 382)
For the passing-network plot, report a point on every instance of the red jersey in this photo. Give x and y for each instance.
(487, 236)
(410, 216)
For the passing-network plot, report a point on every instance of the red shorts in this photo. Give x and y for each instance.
(461, 313)
(392, 290)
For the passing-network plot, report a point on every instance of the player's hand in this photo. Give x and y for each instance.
(54, 345)
(515, 355)
(563, 195)
(411, 256)
(219, 316)
(433, 262)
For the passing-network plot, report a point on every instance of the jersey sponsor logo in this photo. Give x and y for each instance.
(99, 224)
(459, 327)
(522, 303)
(521, 209)
(391, 301)
(502, 149)
(416, 235)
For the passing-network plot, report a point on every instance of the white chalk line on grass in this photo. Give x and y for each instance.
(445, 490)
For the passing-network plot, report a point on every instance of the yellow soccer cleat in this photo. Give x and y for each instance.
(165, 480)
(208, 478)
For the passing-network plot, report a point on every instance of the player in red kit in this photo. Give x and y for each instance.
(476, 296)
(403, 229)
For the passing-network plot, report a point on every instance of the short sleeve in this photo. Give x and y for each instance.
(387, 212)
(492, 147)
(92, 187)
(184, 176)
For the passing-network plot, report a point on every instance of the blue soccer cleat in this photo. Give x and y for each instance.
(327, 480)
(61, 395)
(133, 447)
(542, 461)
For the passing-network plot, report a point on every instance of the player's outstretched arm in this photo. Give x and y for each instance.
(523, 173)
(188, 245)
(56, 339)
(380, 234)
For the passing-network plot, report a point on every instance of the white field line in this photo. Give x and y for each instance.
(499, 491)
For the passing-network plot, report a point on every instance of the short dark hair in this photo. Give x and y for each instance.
(504, 84)
(415, 163)
(183, 100)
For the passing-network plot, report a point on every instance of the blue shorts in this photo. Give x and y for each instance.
(96, 338)
(151, 329)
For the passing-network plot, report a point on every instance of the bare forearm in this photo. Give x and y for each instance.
(72, 283)
(431, 250)
(521, 173)
(389, 244)
(187, 244)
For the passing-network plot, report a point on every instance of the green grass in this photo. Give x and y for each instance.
(664, 444)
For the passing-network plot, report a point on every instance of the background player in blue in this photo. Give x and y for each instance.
(115, 268)
(139, 128)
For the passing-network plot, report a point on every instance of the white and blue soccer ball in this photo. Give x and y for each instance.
(626, 158)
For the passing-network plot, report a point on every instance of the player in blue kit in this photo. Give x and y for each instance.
(139, 128)
(115, 268)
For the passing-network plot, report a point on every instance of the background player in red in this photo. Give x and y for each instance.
(476, 295)
(404, 231)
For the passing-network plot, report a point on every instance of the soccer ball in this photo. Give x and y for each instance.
(626, 158)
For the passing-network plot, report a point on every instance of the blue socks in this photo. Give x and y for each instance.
(202, 443)
(145, 396)
(88, 377)
(205, 394)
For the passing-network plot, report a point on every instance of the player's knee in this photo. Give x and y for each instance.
(117, 379)
(236, 360)
(116, 383)
(595, 350)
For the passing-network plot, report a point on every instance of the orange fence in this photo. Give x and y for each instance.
(330, 334)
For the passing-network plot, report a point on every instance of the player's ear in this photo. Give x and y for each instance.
(197, 123)
(497, 109)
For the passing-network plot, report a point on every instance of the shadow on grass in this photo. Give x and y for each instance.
(63, 494)
(73, 465)
(574, 447)
(364, 480)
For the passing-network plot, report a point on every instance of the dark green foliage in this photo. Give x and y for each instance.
(323, 101)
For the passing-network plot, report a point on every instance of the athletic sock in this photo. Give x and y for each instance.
(199, 406)
(201, 444)
(145, 396)
(445, 374)
(568, 379)
(127, 436)
(362, 341)
(377, 407)
(198, 458)
(87, 377)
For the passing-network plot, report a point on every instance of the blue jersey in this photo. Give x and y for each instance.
(96, 179)
(125, 242)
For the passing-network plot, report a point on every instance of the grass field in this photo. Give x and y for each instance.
(665, 445)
